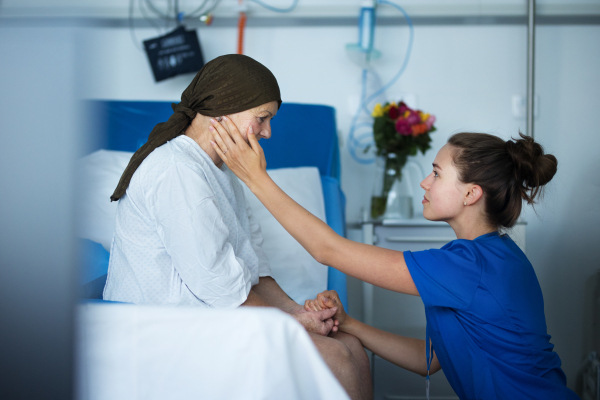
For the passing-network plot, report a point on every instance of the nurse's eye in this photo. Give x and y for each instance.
(435, 174)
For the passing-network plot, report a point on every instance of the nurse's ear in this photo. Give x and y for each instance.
(473, 195)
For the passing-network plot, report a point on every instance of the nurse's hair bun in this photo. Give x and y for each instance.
(532, 167)
(508, 172)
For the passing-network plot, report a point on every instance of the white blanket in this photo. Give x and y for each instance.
(148, 352)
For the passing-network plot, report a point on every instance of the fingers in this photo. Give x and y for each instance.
(254, 142)
(233, 130)
(220, 153)
(320, 300)
(332, 294)
(219, 131)
(327, 313)
(311, 305)
(219, 145)
(328, 326)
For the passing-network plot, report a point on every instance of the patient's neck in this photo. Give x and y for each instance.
(198, 131)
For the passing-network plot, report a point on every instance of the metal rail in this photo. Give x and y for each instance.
(530, 65)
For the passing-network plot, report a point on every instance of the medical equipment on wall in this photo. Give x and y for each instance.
(243, 9)
(168, 61)
(360, 137)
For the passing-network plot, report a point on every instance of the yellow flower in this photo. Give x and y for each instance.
(378, 111)
(425, 116)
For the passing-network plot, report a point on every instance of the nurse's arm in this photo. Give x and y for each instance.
(381, 267)
(405, 352)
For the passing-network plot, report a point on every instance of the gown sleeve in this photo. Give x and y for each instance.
(446, 277)
(256, 239)
(190, 223)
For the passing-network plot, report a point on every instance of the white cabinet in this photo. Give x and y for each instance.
(404, 314)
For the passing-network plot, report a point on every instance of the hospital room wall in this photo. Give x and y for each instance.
(466, 76)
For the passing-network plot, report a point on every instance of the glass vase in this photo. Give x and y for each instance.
(393, 192)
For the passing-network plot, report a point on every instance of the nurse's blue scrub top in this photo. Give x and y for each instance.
(485, 316)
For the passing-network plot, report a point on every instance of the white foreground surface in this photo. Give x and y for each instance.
(147, 352)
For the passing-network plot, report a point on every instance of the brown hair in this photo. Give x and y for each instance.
(508, 172)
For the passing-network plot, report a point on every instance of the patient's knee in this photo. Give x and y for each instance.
(354, 345)
(342, 352)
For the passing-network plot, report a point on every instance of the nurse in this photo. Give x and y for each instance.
(485, 312)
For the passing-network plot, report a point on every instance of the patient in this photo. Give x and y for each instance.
(184, 232)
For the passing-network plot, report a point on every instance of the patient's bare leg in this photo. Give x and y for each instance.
(348, 361)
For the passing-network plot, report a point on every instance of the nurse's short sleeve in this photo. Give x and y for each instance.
(447, 277)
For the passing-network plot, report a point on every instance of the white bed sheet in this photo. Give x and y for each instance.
(129, 352)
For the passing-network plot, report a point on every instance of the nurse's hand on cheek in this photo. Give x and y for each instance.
(247, 162)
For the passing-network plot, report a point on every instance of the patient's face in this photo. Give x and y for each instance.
(259, 118)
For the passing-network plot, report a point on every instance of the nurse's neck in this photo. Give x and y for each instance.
(199, 133)
(470, 224)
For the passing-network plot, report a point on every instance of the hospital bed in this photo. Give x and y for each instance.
(131, 351)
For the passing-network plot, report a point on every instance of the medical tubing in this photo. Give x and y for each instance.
(353, 142)
(411, 37)
(279, 10)
(241, 30)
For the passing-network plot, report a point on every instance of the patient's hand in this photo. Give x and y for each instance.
(329, 299)
(319, 322)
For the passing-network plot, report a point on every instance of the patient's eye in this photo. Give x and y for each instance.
(435, 174)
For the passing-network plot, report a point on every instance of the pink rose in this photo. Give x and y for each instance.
(403, 127)
(430, 121)
(413, 118)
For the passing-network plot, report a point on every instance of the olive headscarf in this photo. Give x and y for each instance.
(226, 85)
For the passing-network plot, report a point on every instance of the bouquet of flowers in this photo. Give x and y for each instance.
(399, 132)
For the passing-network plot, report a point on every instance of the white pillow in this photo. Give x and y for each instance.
(300, 276)
(98, 176)
(296, 271)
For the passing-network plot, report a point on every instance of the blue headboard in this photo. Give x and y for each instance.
(302, 135)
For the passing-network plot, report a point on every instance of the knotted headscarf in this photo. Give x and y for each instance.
(226, 85)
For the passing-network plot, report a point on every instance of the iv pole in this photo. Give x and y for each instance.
(530, 64)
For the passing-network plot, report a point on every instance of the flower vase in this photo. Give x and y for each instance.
(393, 194)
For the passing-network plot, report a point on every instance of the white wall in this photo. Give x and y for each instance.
(466, 76)
(563, 242)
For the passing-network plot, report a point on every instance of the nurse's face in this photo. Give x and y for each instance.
(444, 193)
(259, 118)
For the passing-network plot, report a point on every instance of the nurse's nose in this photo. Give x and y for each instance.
(426, 183)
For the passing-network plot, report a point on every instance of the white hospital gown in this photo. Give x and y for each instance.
(184, 233)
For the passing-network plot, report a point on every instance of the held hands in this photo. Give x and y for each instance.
(319, 322)
(246, 161)
(328, 300)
